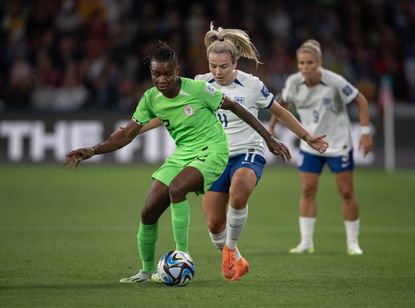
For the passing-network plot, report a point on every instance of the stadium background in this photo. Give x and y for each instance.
(75, 61)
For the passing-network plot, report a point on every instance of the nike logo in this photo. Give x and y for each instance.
(234, 226)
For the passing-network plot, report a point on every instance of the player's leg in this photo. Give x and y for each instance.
(343, 167)
(157, 201)
(188, 180)
(350, 208)
(245, 173)
(308, 211)
(198, 177)
(242, 185)
(215, 203)
(310, 169)
(214, 207)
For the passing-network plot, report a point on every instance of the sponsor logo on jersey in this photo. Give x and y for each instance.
(210, 89)
(347, 90)
(188, 110)
(240, 100)
(265, 91)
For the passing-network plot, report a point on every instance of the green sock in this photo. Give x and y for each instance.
(146, 240)
(180, 216)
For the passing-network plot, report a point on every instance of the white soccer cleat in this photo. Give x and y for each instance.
(354, 250)
(141, 276)
(302, 248)
(155, 277)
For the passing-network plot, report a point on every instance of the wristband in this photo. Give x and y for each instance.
(365, 130)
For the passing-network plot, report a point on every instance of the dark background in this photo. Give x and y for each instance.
(70, 56)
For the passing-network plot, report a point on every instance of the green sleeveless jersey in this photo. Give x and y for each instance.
(189, 117)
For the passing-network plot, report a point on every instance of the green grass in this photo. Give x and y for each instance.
(67, 237)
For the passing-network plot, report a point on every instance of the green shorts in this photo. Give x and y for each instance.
(211, 162)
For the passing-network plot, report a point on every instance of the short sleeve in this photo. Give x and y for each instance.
(288, 91)
(264, 98)
(210, 96)
(346, 90)
(143, 113)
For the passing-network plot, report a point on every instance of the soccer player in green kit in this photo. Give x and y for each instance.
(187, 109)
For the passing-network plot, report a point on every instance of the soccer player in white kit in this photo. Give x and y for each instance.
(320, 98)
(246, 162)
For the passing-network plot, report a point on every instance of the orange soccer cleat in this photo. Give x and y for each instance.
(228, 262)
(231, 268)
(241, 268)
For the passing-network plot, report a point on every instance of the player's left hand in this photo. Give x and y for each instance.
(366, 144)
(318, 143)
(276, 147)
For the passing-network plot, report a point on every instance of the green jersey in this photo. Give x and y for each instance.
(189, 117)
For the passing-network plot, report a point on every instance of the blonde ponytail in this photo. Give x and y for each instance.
(234, 41)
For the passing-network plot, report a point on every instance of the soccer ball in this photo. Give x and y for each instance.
(176, 268)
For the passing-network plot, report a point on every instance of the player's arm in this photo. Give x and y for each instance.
(365, 142)
(118, 139)
(274, 120)
(150, 125)
(281, 114)
(274, 145)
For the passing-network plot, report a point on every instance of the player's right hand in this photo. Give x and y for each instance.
(276, 147)
(73, 158)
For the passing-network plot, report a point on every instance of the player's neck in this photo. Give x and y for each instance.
(313, 80)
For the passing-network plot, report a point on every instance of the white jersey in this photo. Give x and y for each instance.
(322, 109)
(250, 92)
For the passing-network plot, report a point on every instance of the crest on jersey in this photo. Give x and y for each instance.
(347, 90)
(188, 110)
(240, 100)
(210, 89)
(265, 91)
(327, 102)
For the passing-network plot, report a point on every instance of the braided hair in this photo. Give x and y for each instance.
(162, 53)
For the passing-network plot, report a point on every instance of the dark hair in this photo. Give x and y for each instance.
(162, 53)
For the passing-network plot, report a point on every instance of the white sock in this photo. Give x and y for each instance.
(307, 230)
(235, 223)
(218, 240)
(352, 231)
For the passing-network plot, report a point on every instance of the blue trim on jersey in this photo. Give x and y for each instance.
(315, 163)
(354, 97)
(270, 103)
(238, 82)
(249, 160)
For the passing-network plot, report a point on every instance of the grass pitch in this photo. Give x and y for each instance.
(67, 237)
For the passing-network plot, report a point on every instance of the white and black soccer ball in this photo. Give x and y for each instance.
(176, 268)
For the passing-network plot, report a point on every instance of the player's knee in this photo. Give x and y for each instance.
(149, 215)
(347, 194)
(239, 199)
(216, 226)
(177, 192)
(309, 191)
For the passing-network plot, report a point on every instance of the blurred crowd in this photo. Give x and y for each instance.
(69, 55)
